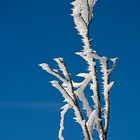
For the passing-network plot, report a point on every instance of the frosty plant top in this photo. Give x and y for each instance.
(97, 118)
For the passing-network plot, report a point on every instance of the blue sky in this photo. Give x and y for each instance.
(36, 31)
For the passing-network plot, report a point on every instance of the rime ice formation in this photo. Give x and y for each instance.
(73, 91)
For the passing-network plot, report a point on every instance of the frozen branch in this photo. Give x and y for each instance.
(67, 91)
(91, 122)
(51, 71)
(81, 95)
(106, 88)
(72, 92)
(65, 108)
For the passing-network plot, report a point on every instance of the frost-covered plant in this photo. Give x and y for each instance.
(97, 118)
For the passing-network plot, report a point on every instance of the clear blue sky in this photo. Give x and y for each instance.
(36, 31)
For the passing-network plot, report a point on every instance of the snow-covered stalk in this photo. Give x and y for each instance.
(67, 90)
(82, 16)
(63, 112)
(107, 85)
(73, 92)
(80, 92)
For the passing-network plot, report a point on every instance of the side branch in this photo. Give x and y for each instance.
(106, 89)
(67, 90)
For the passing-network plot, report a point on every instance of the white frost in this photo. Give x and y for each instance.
(65, 108)
(75, 91)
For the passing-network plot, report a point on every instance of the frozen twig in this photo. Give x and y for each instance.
(65, 108)
(91, 122)
(51, 71)
(81, 95)
(87, 53)
(72, 92)
(67, 91)
(106, 88)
